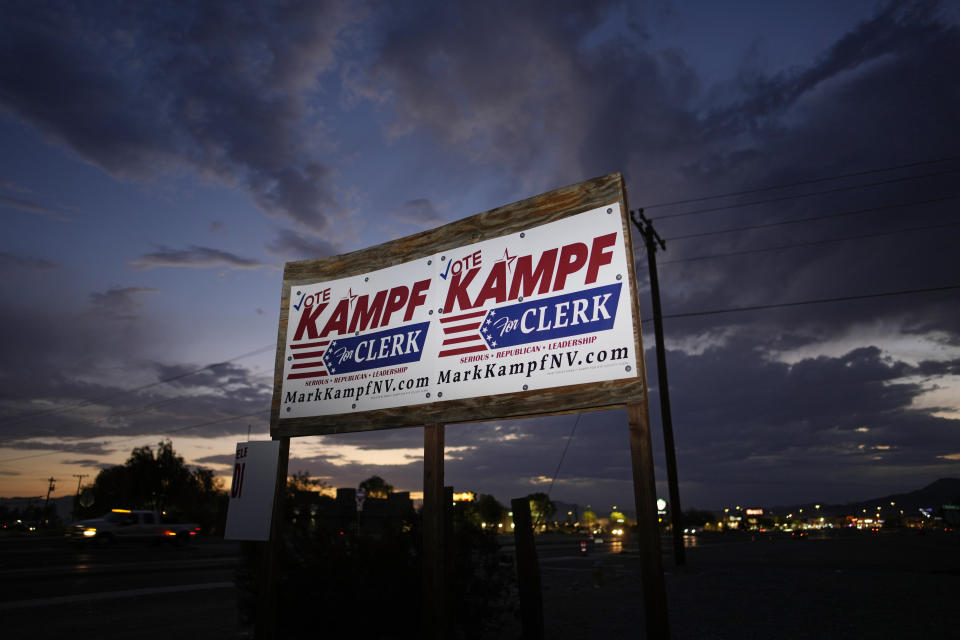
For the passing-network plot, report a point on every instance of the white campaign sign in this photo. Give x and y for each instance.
(546, 307)
(251, 491)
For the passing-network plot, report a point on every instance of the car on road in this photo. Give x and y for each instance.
(131, 524)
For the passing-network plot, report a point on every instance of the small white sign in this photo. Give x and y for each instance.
(252, 490)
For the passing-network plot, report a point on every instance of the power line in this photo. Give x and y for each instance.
(804, 195)
(801, 182)
(813, 301)
(131, 438)
(812, 243)
(824, 216)
(83, 403)
(563, 455)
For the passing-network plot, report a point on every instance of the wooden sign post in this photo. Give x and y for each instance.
(434, 539)
(526, 310)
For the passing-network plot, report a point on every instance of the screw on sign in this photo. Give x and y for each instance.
(239, 469)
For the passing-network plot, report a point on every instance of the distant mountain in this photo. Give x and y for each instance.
(934, 495)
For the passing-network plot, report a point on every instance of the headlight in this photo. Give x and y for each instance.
(89, 533)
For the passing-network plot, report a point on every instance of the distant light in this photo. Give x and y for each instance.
(661, 504)
(464, 496)
(89, 533)
(120, 510)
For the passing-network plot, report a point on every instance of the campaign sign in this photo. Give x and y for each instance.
(527, 309)
(252, 489)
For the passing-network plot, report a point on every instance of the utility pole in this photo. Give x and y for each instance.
(46, 503)
(652, 239)
(76, 499)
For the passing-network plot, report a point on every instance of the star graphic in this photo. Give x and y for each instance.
(508, 259)
(351, 295)
(493, 344)
(493, 312)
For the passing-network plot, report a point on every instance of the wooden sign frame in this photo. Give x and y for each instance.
(539, 210)
(629, 392)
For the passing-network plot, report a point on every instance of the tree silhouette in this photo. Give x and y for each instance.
(490, 510)
(376, 487)
(541, 508)
(159, 480)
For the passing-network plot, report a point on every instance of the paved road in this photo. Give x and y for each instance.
(49, 589)
(849, 585)
(897, 585)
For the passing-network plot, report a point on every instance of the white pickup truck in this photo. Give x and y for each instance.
(131, 524)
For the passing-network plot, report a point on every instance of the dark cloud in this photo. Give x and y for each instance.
(91, 463)
(120, 303)
(68, 377)
(10, 261)
(291, 245)
(896, 30)
(823, 425)
(218, 460)
(88, 448)
(141, 89)
(195, 257)
(837, 115)
(419, 212)
(519, 100)
(30, 206)
(747, 428)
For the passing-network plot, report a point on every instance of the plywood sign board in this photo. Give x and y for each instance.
(528, 309)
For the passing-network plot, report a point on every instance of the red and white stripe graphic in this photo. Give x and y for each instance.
(461, 334)
(307, 360)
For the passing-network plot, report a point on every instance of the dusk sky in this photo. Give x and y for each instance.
(161, 161)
